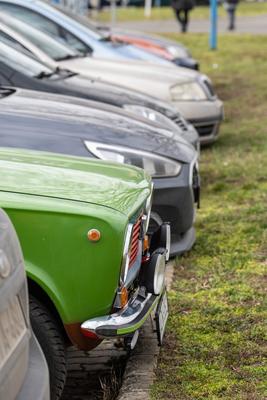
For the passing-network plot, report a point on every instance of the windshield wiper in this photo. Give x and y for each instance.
(68, 57)
(4, 92)
(45, 74)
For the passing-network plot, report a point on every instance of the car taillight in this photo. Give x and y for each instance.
(135, 241)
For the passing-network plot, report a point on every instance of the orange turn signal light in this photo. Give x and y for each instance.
(94, 235)
(146, 243)
(123, 297)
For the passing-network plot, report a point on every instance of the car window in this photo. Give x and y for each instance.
(46, 25)
(21, 62)
(44, 42)
(9, 40)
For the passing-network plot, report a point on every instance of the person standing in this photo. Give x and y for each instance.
(230, 7)
(181, 9)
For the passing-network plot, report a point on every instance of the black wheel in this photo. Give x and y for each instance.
(51, 340)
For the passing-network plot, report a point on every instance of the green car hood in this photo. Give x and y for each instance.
(120, 187)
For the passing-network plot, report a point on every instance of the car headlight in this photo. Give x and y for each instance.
(178, 52)
(156, 166)
(188, 91)
(153, 116)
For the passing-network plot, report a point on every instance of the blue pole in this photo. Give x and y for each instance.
(213, 24)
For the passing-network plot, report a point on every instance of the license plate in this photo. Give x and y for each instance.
(162, 314)
(12, 330)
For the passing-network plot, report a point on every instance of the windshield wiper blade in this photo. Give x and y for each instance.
(4, 92)
(69, 57)
(45, 74)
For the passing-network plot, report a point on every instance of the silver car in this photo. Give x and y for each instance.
(23, 369)
(190, 92)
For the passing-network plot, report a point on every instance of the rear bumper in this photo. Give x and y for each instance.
(36, 383)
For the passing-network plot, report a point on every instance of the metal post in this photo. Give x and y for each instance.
(113, 14)
(213, 24)
(148, 6)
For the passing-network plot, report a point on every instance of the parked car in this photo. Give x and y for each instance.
(171, 50)
(61, 124)
(82, 227)
(177, 53)
(23, 369)
(18, 69)
(190, 92)
(97, 44)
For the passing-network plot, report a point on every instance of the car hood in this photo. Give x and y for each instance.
(117, 94)
(50, 114)
(122, 188)
(143, 69)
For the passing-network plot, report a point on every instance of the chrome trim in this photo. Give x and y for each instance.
(126, 255)
(124, 322)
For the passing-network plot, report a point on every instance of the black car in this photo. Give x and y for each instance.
(18, 69)
(61, 124)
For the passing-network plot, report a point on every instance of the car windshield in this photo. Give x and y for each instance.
(21, 62)
(85, 23)
(48, 45)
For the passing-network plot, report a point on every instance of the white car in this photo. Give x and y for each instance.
(23, 369)
(189, 91)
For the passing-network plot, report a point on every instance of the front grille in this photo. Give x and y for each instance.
(205, 130)
(180, 122)
(209, 87)
(135, 241)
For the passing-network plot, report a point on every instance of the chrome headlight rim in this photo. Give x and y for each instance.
(120, 151)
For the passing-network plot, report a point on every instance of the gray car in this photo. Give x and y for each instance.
(23, 369)
(190, 92)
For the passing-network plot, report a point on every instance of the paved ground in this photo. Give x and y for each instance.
(252, 25)
(95, 375)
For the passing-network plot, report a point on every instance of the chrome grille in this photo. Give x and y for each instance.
(135, 241)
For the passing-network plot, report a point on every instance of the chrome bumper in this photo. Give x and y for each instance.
(126, 321)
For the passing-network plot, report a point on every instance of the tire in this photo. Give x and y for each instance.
(51, 340)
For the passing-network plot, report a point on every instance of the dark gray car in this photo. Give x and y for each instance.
(18, 69)
(61, 124)
(23, 369)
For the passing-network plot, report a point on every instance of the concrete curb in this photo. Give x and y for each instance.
(139, 373)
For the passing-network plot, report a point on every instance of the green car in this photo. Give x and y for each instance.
(92, 271)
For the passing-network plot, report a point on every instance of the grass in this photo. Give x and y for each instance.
(201, 12)
(216, 342)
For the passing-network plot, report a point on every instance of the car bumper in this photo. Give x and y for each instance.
(36, 382)
(174, 201)
(129, 319)
(206, 117)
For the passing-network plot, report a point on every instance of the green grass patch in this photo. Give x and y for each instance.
(216, 342)
(160, 13)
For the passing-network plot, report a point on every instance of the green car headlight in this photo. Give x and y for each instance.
(188, 91)
(155, 165)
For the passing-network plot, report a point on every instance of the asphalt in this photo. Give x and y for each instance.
(251, 25)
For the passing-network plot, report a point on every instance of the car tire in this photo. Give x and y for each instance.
(51, 341)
